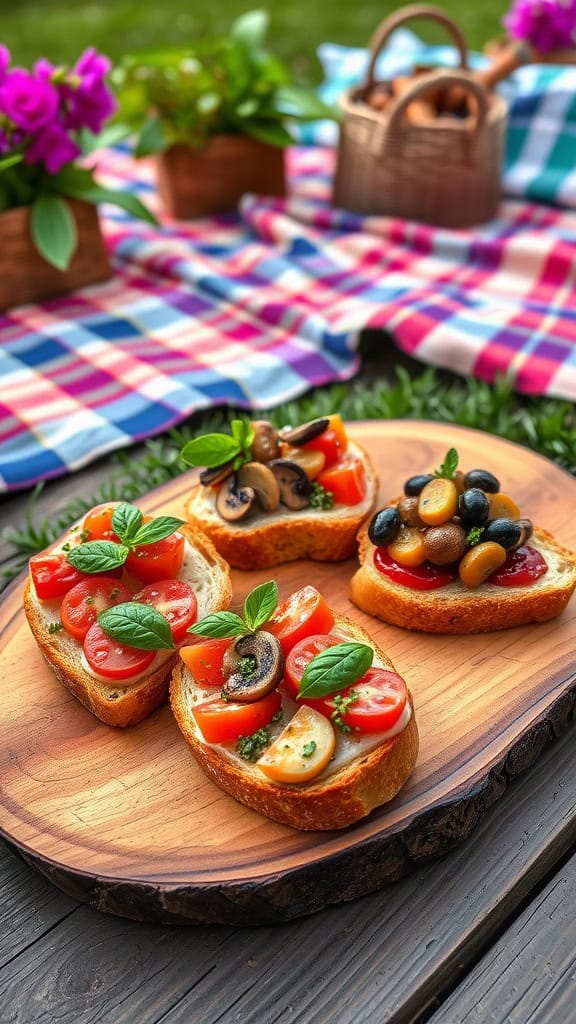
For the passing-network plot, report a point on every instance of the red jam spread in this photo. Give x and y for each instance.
(418, 577)
(521, 568)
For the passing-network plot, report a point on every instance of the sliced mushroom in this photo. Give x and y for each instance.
(307, 432)
(265, 445)
(254, 666)
(216, 474)
(233, 502)
(259, 478)
(293, 482)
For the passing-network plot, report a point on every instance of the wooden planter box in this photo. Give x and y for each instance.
(198, 183)
(25, 276)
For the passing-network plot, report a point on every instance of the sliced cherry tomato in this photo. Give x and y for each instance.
(346, 481)
(303, 613)
(113, 659)
(521, 568)
(160, 561)
(98, 522)
(418, 577)
(204, 659)
(328, 442)
(299, 657)
(53, 576)
(84, 602)
(175, 600)
(222, 721)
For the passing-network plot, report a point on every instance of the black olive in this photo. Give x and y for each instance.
(385, 526)
(483, 479)
(474, 507)
(505, 532)
(415, 484)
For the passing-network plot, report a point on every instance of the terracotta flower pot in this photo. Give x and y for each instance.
(198, 183)
(25, 276)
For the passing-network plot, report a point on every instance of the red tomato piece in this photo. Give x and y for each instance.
(223, 721)
(299, 657)
(113, 659)
(204, 659)
(159, 561)
(380, 698)
(521, 568)
(346, 481)
(328, 442)
(82, 605)
(175, 600)
(53, 576)
(303, 613)
(98, 522)
(418, 577)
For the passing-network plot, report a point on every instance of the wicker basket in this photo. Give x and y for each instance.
(443, 171)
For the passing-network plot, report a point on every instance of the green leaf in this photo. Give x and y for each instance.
(303, 104)
(243, 433)
(267, 131)
(53, 230)
(449, 466)
(97, 556)
(156, 529)
(152, 138)
(260, 604)
(126, 521)
(210, 450)
(219, 624)
(10, 161)
(474, 536)
(137, 625)
(125, 200)
(251, 28)
(335, 668)
(109, 136)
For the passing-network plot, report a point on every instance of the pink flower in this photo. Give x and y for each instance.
(4, 62)
(28, 102)
(546, 24)
(89, 103)
(52, 146)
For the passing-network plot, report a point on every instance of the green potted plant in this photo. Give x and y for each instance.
(215, 114)
(50, 117)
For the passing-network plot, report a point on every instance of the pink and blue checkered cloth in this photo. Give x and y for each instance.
(255, 309)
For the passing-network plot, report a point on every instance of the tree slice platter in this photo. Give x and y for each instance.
(124, 819)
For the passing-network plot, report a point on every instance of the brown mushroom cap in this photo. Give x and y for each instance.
(216, 474)
(262, 659)
(307, 432)
(293, 483)
(527, 529)
(265, 445)
(233, 502)
(259, 478)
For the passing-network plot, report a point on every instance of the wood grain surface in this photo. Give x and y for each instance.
(127, 822)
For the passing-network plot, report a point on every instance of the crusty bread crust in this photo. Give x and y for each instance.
(115, 703)
(455, 609)
(331, 801)
(271, 539)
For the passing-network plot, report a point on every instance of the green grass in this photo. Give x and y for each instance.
(59, 29)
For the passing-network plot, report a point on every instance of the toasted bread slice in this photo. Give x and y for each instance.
(270, 538)
(455, 609)
(365, 772)
(119, 703)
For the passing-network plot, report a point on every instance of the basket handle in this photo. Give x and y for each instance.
(426, 83)
(391, 23)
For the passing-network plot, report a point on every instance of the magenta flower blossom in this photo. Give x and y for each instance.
(546, 24)
(4, 62)
(29, 103)
(52, 146)
(89, 101)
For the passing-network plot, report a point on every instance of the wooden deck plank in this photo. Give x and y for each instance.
(387, 957)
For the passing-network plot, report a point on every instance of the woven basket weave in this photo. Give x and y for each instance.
(443, 171)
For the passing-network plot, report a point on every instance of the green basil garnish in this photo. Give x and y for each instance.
(213, 450)
(219, 625)
(449, 466)
(261, 604)
(335, 668)
(126, 521)
(137, 625)
(98, 556)
(156, 529)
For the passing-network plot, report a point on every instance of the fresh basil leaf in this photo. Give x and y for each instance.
(261, 604)
(219, 624)
(126, 521)
(53, 230)
(156, 529)
(334, 668)
(210, 450)
(449, 466)
(137, 625)
(97, 556)
(152, 138)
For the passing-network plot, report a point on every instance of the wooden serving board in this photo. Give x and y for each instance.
(125, 820)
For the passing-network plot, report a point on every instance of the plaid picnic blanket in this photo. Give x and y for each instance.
(257, 308)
